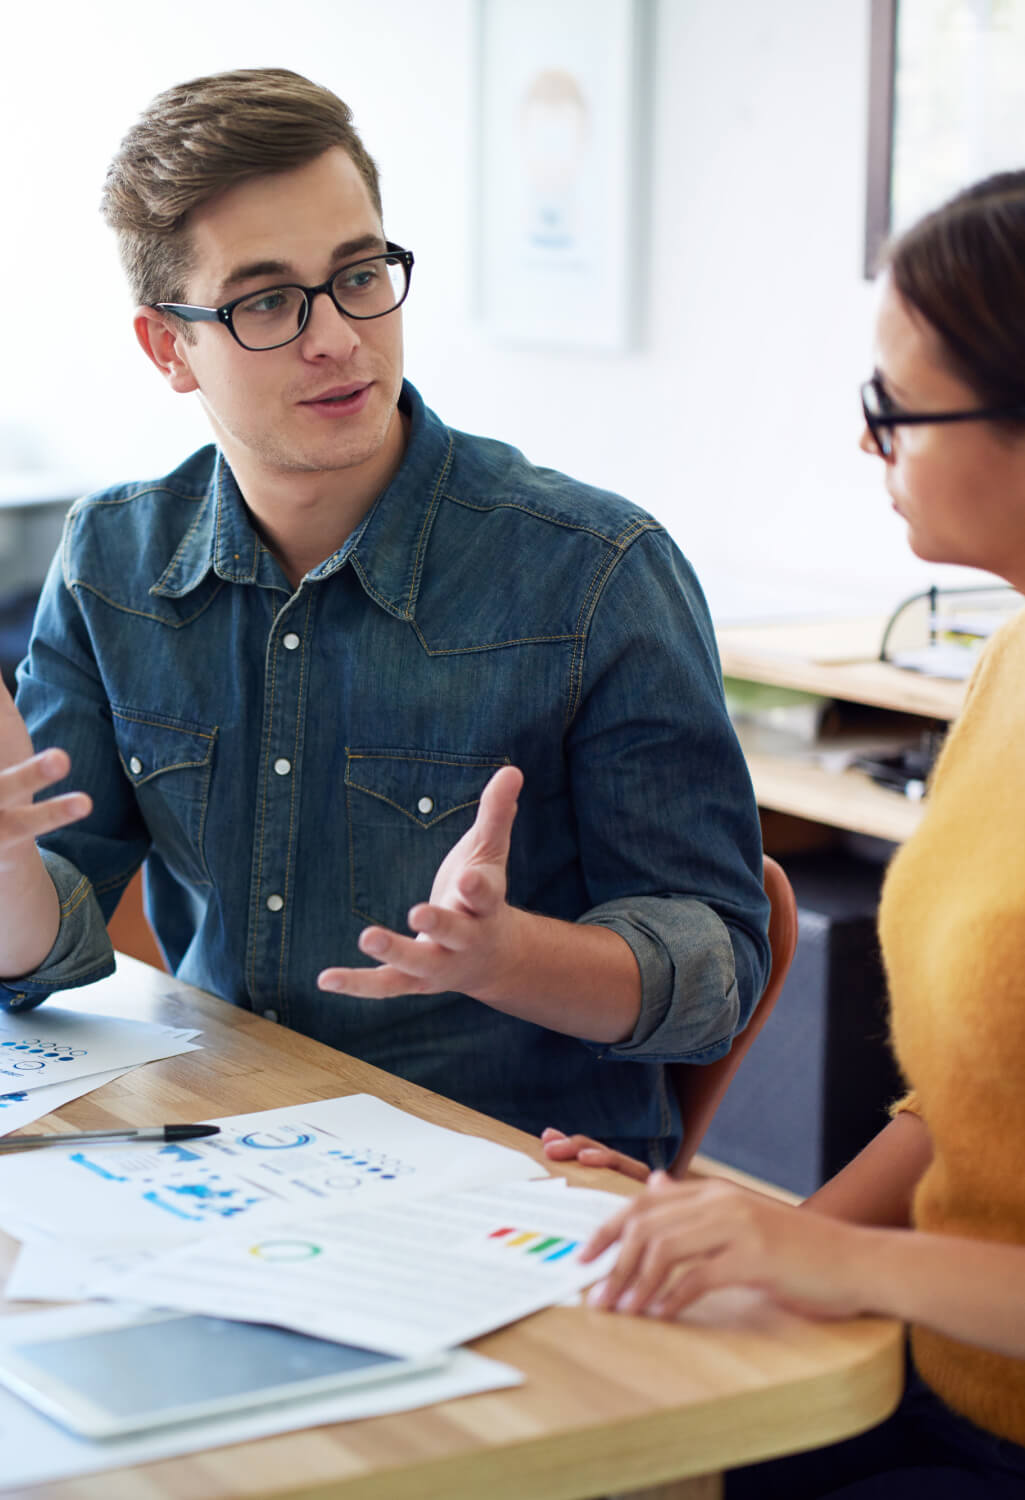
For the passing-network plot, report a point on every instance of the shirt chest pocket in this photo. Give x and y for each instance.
(405, 811)
(169, 762)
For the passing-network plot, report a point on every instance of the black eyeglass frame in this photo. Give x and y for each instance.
(192, 313)
(878, 424)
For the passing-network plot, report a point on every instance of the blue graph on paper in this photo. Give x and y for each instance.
(32, 1054)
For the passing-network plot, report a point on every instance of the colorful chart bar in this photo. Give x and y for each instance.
(533, 1242)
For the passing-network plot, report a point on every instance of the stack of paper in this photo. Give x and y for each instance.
(345, 1218)
(50, 1056)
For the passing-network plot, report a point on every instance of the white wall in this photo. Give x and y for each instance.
(735, 420)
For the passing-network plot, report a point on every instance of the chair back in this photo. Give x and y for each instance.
(700, 1088)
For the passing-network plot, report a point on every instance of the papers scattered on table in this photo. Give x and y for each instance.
(50, 1045)
(50, 1056)
(402, 1277)
(345, 1218)
(281, 1163)
(36, 1451)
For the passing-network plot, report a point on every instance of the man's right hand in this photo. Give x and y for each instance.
(22, 775)
(28, 898)
(589, 1153)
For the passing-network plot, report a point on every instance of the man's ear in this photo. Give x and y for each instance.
(166, 346)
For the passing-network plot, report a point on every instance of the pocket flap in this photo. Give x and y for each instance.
(426, 786)
(149, 744)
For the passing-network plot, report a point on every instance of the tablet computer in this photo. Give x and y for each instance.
(152, 1370)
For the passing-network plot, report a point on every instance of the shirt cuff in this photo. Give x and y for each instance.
(690, 999)
(82, 951)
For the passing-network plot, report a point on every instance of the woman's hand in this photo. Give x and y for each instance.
(589, 1153)
(679, 1240)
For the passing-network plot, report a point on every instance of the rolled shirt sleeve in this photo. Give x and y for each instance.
(82, 950)
(690, 999)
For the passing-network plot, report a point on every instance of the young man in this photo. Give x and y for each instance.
(308, 676)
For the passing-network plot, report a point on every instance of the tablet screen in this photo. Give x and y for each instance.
(180, 1367)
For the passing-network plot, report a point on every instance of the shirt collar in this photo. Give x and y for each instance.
(386, 550)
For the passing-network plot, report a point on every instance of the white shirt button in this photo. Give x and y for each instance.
(275, 902)
(270, 1015)
(282, 766)
(290, 641)
(425, 805)
(135, 765)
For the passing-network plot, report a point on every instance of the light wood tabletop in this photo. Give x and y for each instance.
(610, 1404)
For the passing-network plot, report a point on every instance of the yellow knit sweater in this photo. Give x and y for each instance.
(952, 925)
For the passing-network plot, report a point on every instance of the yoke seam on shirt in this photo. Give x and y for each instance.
(428, 521)
(527, 640)
(589, 604)
(621, 539)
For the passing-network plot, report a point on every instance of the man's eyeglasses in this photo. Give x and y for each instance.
(267, 319)
(882, 415)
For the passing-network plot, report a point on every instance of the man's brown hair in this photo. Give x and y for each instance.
(196, 140)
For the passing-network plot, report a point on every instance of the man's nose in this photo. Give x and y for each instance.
(327, 330)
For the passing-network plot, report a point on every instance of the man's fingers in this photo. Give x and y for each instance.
(496, 814)
(380, 983)
(27, 823)
(20, 783)
(482, 891)
(453, 930)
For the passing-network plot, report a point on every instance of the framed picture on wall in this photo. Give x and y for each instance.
(945, 105)
(562, 170)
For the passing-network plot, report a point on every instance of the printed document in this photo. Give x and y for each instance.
(406, 1277)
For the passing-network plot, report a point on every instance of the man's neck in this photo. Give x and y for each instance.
(304, 517)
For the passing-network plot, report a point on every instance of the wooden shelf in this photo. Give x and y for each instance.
(841, 799)
(838, 660)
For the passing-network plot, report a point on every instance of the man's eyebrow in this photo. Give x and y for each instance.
(250, 270)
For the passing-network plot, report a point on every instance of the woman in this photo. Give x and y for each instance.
(928, 1223)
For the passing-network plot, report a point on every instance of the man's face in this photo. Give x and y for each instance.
(326, 401)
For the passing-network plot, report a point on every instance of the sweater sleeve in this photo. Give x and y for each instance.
(907, 1105)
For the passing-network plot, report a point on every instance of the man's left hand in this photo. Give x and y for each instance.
(466, 933)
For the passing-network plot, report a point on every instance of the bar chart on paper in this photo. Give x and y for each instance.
(535, 1242)
(405, 1276)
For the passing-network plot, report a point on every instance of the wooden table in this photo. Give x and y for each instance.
(610, 1404)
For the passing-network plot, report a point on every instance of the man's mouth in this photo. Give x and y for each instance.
(336, 396)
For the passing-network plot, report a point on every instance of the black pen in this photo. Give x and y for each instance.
(146, 1133)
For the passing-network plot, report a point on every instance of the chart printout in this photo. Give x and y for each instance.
(51, 1045)
(403, 1277)
(273, 1163)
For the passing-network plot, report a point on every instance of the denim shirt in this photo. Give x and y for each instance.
(293, 764)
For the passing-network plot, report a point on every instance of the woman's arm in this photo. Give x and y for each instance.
(878, 1185)
(680, 1240)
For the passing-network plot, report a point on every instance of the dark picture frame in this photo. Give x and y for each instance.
(943, 105)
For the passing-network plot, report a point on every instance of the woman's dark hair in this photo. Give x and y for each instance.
(962, 268)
